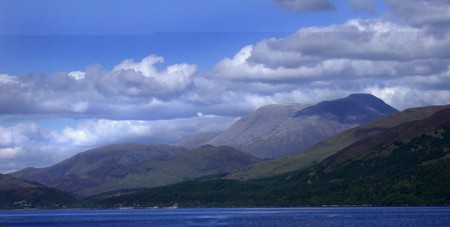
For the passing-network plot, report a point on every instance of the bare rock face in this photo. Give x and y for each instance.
(277, 130)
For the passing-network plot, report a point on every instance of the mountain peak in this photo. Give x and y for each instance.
(353, 109)
(361, 95)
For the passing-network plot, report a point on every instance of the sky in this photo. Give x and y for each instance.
(75, 75)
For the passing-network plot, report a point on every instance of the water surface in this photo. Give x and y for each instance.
(317, 216)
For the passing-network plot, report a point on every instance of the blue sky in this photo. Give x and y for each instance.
(138, 17)
(48, 36)
(22, 55)
(80, 74)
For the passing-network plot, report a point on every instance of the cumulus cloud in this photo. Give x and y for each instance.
(356, 56)
(130, 90)
(24, 145)
(175, 77)
(6, 153)
(7, 79)
(367, 6)
(359, 47)
(305, 5)
(422, 13)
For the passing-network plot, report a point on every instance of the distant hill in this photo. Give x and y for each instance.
(16, 193)
(129, 166)
(407, 164)
(332, 145)
(278, 130)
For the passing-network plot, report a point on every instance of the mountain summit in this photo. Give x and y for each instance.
(354, 109)
(277, 130)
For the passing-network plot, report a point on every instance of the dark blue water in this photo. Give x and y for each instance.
(320, 216)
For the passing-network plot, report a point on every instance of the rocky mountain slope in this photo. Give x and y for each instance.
(16, 193)
(407, 164)
(277, 130)
(125, 166)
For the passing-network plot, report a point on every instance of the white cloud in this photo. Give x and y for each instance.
(174, 77)
(123, 93)
(7, 153)
(7, 79)
(355, 56)
(77, 75)
(26, 145)
(422, 13)
(406, 97)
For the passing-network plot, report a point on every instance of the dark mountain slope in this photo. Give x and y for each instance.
(16, 193)
(278, 130)
(409, 164)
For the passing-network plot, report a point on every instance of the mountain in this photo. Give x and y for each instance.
(84, 170)
(278, 130)
(17, 193)
(408, 164)
(130, 166)
(332, 145)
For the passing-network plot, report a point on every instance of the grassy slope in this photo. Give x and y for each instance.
(330, 146)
